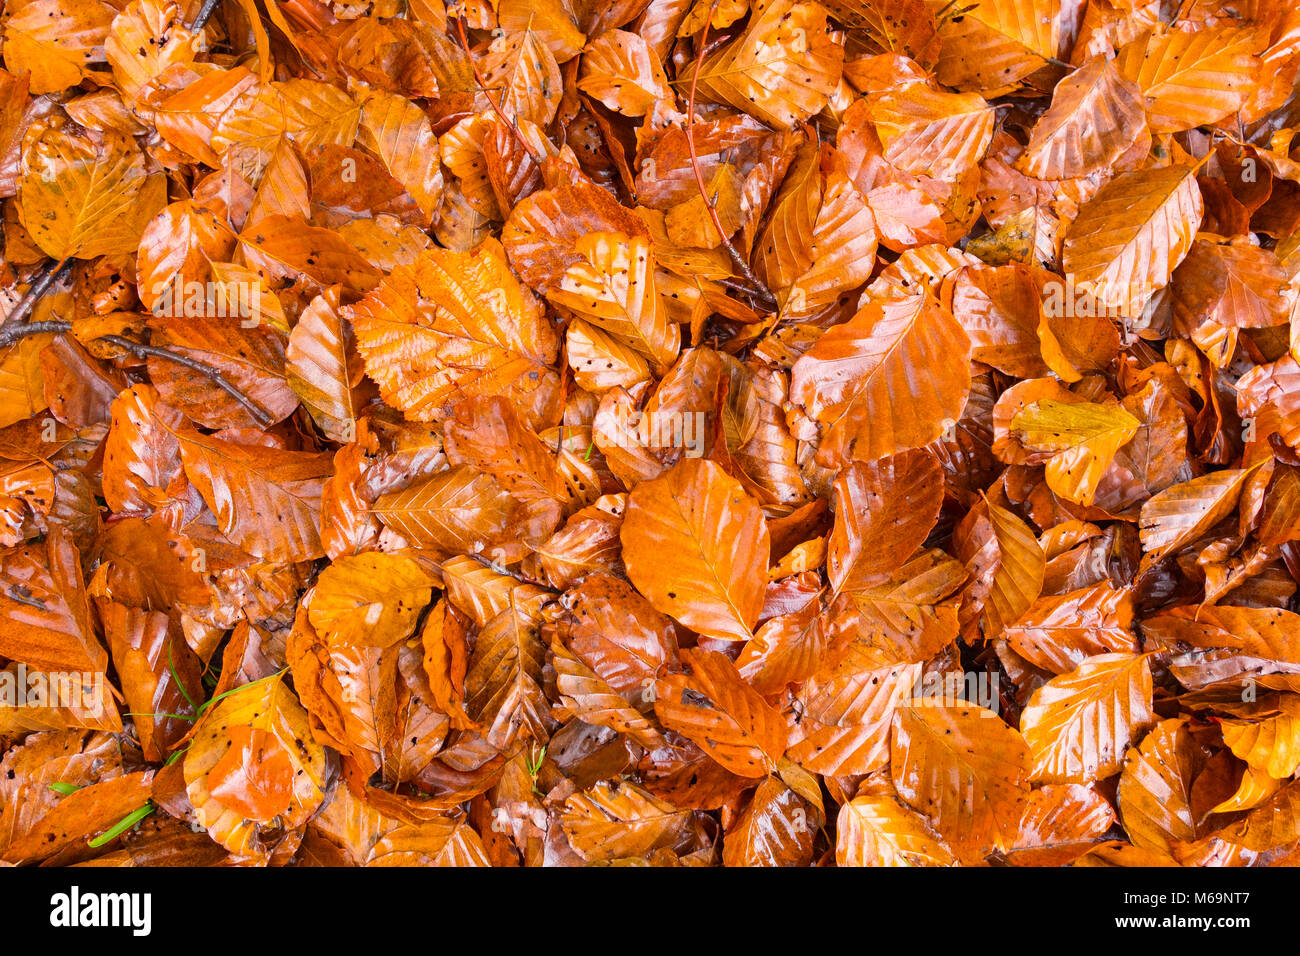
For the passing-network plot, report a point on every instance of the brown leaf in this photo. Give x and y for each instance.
(722, 714)
(266, 500)
(886, 381)
(719, 543)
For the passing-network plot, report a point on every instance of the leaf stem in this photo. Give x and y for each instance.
(482, 84)
(10, 335)
(517, 575)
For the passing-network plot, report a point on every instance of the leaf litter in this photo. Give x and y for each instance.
(650, 433)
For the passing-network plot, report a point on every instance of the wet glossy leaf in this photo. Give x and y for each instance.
(1079, 724)
(241, 770)
(886, 381)
(963, 769)
(717, 532)
(721, 714)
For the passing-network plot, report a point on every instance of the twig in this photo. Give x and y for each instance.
(13, 333)
(50, 274)
(258, 413)
(517, 575)
(205, 13)
(482, 84)
(764, 293)
(735, 285)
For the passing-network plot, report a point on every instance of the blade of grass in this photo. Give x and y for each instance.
(121, 826)
(164, 714)
(171, 666)
(240, 687)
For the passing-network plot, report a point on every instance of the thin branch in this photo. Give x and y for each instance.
(482, 84)
(13, 333)
(21, 330)
(517, 575)
(49, 275)
(764, 293)
(735, 285)
(140, 350)
(205, 14)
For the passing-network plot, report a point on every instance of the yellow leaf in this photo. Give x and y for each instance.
(522, 72)
(931, 132)
(320, 369)
(399, 133)
(443, 841)
(369, 600)
(1183, 512)
(616, 818)
(79, 192)
(1255, 787)
(265, 65)
(600, 361)
(1085, 437)
(1155, 789)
